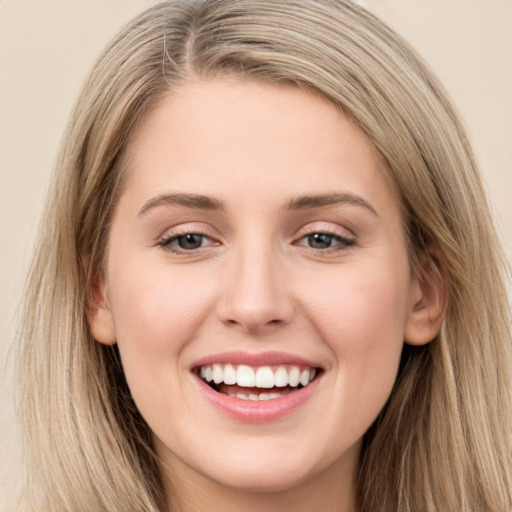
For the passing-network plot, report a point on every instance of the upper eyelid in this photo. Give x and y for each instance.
(312, 227)
(174, 236)
(328, 233)
(167, 239)
(322, 227)
(185, 229)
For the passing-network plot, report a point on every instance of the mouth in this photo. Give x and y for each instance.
(257, 383)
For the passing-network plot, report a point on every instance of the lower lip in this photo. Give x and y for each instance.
(261, 411)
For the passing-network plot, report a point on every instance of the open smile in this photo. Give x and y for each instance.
(257, 388)
(256, 383)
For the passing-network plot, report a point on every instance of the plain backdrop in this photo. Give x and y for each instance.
(47, 47)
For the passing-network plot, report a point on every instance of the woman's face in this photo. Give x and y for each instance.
(258, 243)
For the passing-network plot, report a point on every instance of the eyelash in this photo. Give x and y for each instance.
(342, 243)
(166, 242)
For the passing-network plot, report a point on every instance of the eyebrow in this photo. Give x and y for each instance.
(196, 201)
(305, 202)
(317, 201)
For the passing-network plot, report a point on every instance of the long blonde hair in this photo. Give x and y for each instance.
(443, 441)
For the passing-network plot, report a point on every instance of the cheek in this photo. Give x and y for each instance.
(361, 318)
(360, 309)
(156, 315)
(155, 301)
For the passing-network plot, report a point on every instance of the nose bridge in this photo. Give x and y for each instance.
(255, 295)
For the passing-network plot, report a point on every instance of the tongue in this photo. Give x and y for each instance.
(233, 390)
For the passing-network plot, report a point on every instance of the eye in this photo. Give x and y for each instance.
(185, 242)
(325, 241)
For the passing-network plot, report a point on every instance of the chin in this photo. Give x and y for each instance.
(262, 479)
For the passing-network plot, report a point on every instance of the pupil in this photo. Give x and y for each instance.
(319, 241)
(190, 241)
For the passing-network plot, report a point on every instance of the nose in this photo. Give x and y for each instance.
(254, 295)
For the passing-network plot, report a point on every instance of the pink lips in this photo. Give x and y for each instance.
(262, 359)
(256, 411)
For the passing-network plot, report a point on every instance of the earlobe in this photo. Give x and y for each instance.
(101, 321)
(427, 304)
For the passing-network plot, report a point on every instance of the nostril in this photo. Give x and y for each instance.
(254, 323)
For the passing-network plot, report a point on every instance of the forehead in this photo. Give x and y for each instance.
(222, 135)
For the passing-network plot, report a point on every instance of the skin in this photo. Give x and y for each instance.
(257, 284)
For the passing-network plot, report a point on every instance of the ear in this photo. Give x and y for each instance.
(428, 298)
(101, 321)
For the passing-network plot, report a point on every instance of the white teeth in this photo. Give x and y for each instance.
(294, 377)
(229, 374)
(304, 377)
(257, 398)
(281, 377)
(265, 377)
(245, 377)
(218, 374)
(269, 396)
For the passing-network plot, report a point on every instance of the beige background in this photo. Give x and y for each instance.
(47, 46)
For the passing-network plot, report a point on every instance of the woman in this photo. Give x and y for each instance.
(267, 278)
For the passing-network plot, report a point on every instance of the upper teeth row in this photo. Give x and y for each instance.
(261, 377)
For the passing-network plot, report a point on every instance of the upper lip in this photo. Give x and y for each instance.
(270, 358)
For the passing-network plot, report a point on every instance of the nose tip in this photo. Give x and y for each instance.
(255, 299)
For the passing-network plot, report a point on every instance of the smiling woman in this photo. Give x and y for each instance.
(273, 276)
(211, 299)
